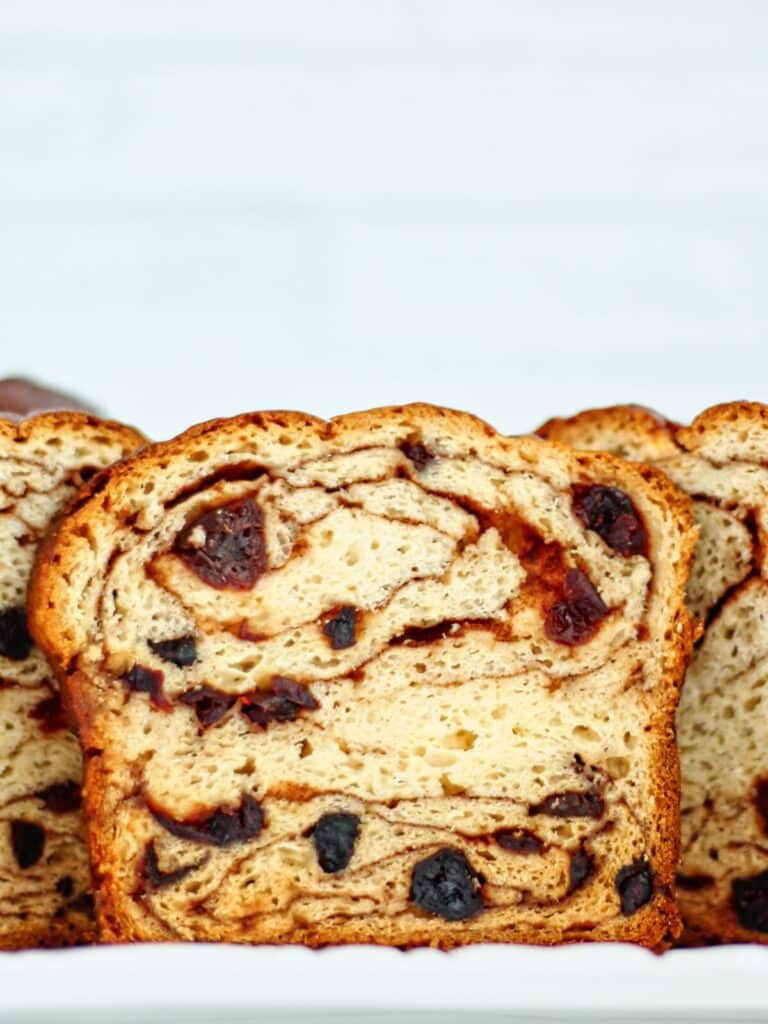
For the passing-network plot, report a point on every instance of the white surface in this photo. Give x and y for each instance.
(223, 984)
(519, 208)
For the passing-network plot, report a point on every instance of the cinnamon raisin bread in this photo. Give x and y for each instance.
(722, 461)
(44, 881)
(373, 680)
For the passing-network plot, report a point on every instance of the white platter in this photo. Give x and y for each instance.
(224, 984)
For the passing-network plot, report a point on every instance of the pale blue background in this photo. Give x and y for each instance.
(519, 208)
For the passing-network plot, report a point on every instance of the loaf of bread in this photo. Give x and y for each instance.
(722, 461)
(20, 398)
(44, 882)
(379, 679)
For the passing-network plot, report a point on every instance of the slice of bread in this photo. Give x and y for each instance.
(373, 680)
(722, 461)
(44, 879)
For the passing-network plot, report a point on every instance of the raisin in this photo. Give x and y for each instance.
(417, 453)
(27, 841)
(749, 897)
(570, 804)
(61, 797)
(65, 887)
(150, 681)
(694, 883)
(225, 547)
(180, 651)
(580, 870)
(519, 840)
(613, 516)
(634, 885)
(340, 629)
(15, 641)
(282, 703)
(447, 885)
(221, 828)
(50, 714)
(157, 879)
(576, 618)
(334, 836)
(210, 705)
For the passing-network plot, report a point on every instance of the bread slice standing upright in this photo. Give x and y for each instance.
(722, 461)
(376, 679)
(44, 880)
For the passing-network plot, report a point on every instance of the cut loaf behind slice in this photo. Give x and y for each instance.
(722, 461)
(373, 680)
(44, 880)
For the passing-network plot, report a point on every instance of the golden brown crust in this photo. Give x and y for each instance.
(51, 440)
(632, 431)
(45, 424)
(47, 935)
(52, 622)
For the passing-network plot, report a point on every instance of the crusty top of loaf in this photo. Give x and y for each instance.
(60, 433)
(630, 431)
(731, 430)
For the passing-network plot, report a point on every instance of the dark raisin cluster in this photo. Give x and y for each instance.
(225, 546)
(447, 885)
(577, 617)
(613, 516)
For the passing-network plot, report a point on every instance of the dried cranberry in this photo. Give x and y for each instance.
(50, 714)
(334, 836)
(519, 840)
(65, 887)
(221, 828)
(181, 651)
(225, 547)
(15, 641)
(749, 897)
(210, 705)
(150, 681)
(577, 617)
(151, 873)
(634, 885)
(282, 703)
(694, 883)
(417, 453)
(340, 629)
(447, 885)
(61, 797)
(613, 516)
(27, 842)
(570, 804)
(580, 870)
